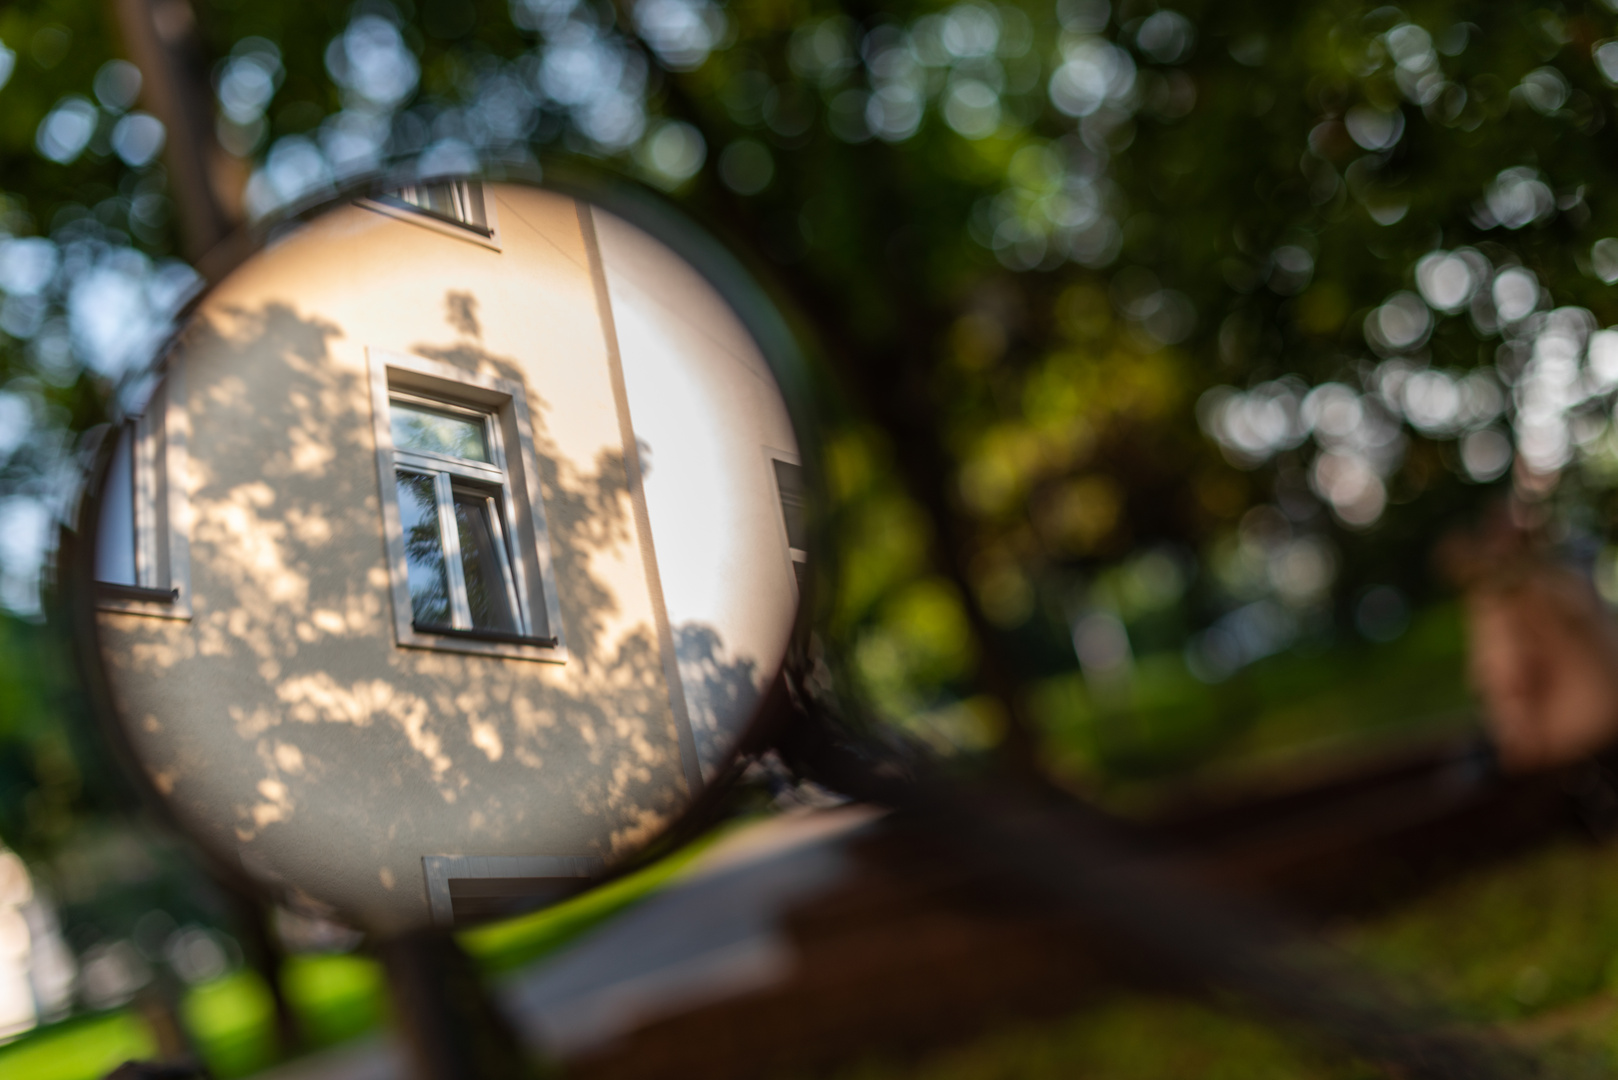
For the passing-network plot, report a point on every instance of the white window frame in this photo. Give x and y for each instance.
(160, 504)
(486, 235)
(502, 405)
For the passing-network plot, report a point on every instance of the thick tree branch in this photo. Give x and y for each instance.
(890, 378)
(161, 38)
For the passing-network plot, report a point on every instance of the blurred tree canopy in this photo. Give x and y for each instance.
(1158, 341)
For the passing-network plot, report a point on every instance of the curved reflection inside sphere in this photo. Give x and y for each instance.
(449, 557)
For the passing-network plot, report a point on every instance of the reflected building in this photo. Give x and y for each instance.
(449, 554)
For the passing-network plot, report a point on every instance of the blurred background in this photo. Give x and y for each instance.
(1158, 349)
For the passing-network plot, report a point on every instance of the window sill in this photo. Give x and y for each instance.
(542, 879)
(402, 211)
(444, 219)
(486, 635)
(137, 600)
(484, 643)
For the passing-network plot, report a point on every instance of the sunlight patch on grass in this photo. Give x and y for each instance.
(335, 997)
(503, 946)
(233, 1022)
(78, 1050)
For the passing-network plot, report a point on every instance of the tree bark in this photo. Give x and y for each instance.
(445, 1020)
(161, 39)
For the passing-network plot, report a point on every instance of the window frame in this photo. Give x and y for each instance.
(445, 470)
(548, 877)
(502, 406)
(394, 206)
(797, 557)
(160, 506)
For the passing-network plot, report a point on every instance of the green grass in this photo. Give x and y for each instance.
(232, 1020)
(1128, 1037)
(334, 997)
(1536, 937)
(1529, 949)
(80, 1049)
(1120, 742)
(514, 943)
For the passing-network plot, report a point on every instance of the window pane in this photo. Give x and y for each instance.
(474, 213)
(424, 550)
(458, 200)
(439, 198)
(484, 565)
(789, 482)
(115, 531)
(432, 432)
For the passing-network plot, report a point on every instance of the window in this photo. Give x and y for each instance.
(141, 554)
(460, 201)
(455, 207)
(789, 486)
(118, 562)
(467, 547)
(462, 890)
(454, 503)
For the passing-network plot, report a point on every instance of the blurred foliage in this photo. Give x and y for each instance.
(84, 1049)
(1093, 243)
(512, 943)
(1155, 344)
(41, 783)
(1531, 946)
(230, 1019)
(1164, 722)
(334, 997)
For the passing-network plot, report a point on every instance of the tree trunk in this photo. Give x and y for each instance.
(445, 1019)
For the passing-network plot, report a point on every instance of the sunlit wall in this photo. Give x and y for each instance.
(710, 421)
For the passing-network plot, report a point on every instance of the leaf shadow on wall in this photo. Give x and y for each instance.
(285, 725)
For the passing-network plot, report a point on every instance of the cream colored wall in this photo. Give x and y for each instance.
(709, 417)
(282, 721)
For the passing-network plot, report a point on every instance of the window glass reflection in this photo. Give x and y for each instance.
(460, 201)
(115, 529)
(424, 550)
(484, 564)
(789, 482)
(429, 431)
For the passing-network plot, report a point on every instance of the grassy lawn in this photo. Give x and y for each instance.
(513, 943)
(1124, 1038)
(335, 997)
(1120, 743)
(81, 1049)
(1530, 948)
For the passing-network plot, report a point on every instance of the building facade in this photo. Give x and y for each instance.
(450, 553)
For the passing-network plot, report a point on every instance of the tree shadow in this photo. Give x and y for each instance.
(284, 724)
(720, 694)
(587, 512)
